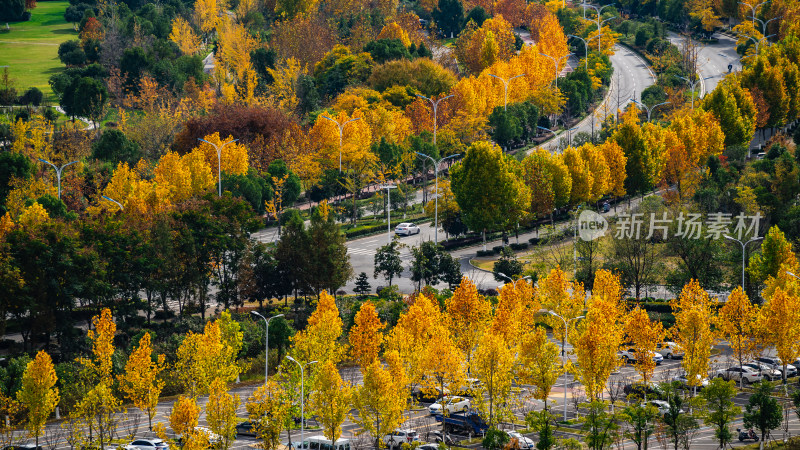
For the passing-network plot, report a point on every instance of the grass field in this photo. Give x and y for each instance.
(30, 49)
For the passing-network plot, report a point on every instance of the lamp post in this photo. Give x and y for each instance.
(341, 131)
(556, 63)
(754, 8)
(563, 353)
(650, 109)
(436, 165)
(514, 282)
(219, 161)
(598, 10)
(58, 172)
(693, 84)
(554, 134)
(388, 211)
(435, 104)
(302, 394)
(744, 245)
(585, 46)
(505, 86)
(757, 41)
(569, 135)
(764, 24)
(266, 342)
(112, 200)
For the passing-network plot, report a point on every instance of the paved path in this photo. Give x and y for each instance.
(713, 59)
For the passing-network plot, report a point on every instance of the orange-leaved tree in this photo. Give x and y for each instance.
(645, 334)
(365, 336)
(320, 340)
(468, 315)
(414, 331)
(778, 321)
(737, 323)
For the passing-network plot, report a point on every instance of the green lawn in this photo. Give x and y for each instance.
(30, 49)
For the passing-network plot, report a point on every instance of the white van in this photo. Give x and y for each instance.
(322, 443)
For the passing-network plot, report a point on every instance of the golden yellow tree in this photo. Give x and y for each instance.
(380, 401)
(692, 330)
(38, 394)
(365, 336)
(206, 14)
(203, 358)
(141, 383)
(559, 295)
(234, 156)
(221, 412)
(414, 330)
(468, 315)
(645, 334)
(778, 320)
(102, 337)
(493, 364)
(443, 365)
(330, 400)
(394, 31)
(600, 335)
(737, 323)
(184, 37)
(268, 409)
(539, 363)
(320, 340)
(515, 302)
(183, 419)
(99, 408)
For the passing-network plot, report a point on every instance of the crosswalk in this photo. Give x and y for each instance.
(404, 254)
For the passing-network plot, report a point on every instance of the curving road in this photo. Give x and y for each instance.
(713, 59)
(631, 76)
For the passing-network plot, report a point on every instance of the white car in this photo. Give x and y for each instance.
(146, 444)
(766, 370)
(684, 382)
(450, 404)
(397, 437)
(669, 350)
(213, 438)
(747, 374)
(630, 356)
(661, 405)
(523, 441)
(775, 363)
(407, 229)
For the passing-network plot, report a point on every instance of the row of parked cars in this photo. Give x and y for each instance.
(768, 368)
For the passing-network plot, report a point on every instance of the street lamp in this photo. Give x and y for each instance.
(388, 211)
(754, 8)
(757, 41)
(548, 129)
(744, 245)
(341, 131)
(563, 353)
(596, 9)
(556, 63)
(58, 172)
(764, 24)
(302, 394)
(569, 135)
(112, 200)
(435, 104)
(505, 86)
(693, 84)
(586, 44)
(650, 109)
(514, 282)
(266, 342)
(219, 161)
(436, 165)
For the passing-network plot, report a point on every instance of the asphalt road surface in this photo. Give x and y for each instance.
(713, 59)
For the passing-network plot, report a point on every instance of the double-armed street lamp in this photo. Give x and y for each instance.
(341, 132)
(435, 105)
(744, 253)
(649, 109)
(266, 342)
(219, 161)
(436, 165)
(505, 86)
(58, 172)
(693, 84)
(556, 62)
(513, 281)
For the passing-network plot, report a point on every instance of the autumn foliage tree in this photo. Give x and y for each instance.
(381, 400)
(365, 336)
(330, 400)
(141, 381)
(269, 408)
(320, 340)
(692, 330)
(38, 394)
(645, 334)
(737, 323)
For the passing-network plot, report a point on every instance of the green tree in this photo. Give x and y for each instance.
(762, 410)
(641, 418)
(12, 165)
(383, 50)
(734, 109)
(504, 127)
(362, 285)
(113, 146)
(775, 251)
(495, 439)
(721, 410)
(431, 264)
(291, 188)
(328, 265)
(487, 189)
(678, 423)
(449, 15)
(508, 265)
(600, 426)
(388, 262)
(542, 421)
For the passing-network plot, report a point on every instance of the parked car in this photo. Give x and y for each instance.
(23, 447)
(213, 438)
(450, 404)
(747, 374)
(246, 428)
(661, 405)
(523, 441)
(765, 370)
(319, 442)
(145, 444)
(471, 387)
(669, 350)
(775, 363)
(428, 395)
(684, 382)
(428, 447)
(397, 437)
(630, 356)
(406, 229)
